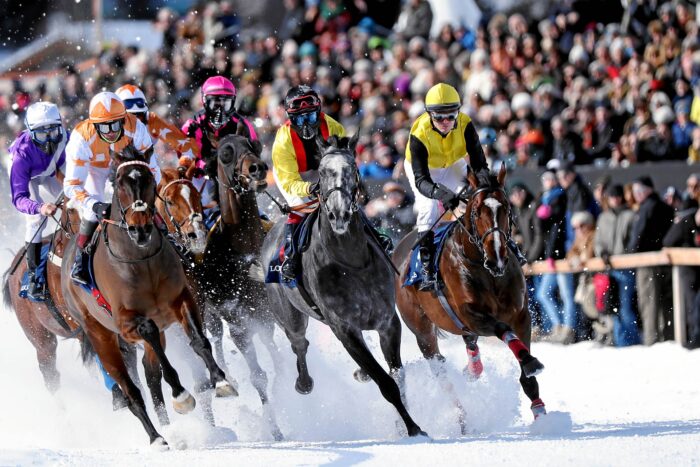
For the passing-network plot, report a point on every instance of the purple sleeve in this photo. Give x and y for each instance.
(20, 175)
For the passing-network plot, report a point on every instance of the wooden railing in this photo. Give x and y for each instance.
(674, 257)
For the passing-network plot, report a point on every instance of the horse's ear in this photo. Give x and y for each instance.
(473, 181)
(352, 144)
(256, 146)
(240, 130)
(502, 175)
(322, 144)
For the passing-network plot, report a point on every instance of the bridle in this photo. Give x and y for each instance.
(180, 237)
(474, 237)
(236, 182)
(323, 197)
(137, 206)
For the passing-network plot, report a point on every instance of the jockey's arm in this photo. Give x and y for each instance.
(419, 164)
(477, 159)
(77, 162)
(252, 135)
(189, 129)
(20, 176)
(284, 163)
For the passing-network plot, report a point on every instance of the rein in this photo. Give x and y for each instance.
(472, 234)
(192, 218)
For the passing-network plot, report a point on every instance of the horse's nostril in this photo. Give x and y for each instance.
(346, 216)
(192, 235)
(331, 216)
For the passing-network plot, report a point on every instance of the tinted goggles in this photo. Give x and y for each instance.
(134, 103)
(303, 104)
(216, 102)
(45, 134)
(444, 116)
(302, 119)
(109, 127)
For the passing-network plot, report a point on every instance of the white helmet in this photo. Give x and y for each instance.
(42, 114)
(134, 99)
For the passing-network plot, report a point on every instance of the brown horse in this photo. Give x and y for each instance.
(140, 275)
(484, 288)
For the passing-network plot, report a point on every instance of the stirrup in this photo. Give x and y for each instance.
(288, 269)
(429, 281)
(35, 292)
(78, 272)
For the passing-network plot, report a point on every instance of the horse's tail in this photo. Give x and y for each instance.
(6, 296)
(87, 351)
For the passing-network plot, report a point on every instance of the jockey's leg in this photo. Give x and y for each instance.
(516, 250)
(36, 290)
(291, 265)
(427, 258)
(88, 224)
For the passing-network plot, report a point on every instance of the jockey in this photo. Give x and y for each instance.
(109, 128)
(295, 159)
(443, 143)
(217, 119)
(135, 103)
(38, 160)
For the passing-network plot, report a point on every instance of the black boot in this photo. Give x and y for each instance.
(427, 255)
(516, 250)
(37, 290)
(291, 264)
(79, 272)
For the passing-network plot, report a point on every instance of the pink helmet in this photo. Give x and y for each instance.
(218, 86)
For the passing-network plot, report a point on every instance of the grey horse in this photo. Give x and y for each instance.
(348, 279)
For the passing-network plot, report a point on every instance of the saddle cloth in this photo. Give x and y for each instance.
(91, 288)
(40, 272)
(300, 241)
(415, 265)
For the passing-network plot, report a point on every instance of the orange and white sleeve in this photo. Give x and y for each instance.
(78, 155)
(143, 142)
(173, 137)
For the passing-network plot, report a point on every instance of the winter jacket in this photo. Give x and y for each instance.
(530, 229)
(652, 221)
(553, 224)
(613, 232)
(684, 233)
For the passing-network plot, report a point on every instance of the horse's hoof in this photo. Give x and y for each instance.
(225, 389)
(473, 370)
(184, 403)
(416, 431)
(304, 388)
(361, 375)
(532, 367)
(159, 444)
(277, 435)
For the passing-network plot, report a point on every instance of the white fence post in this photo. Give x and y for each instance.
(679, 333)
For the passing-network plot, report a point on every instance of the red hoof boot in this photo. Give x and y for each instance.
(538, 409)
(474, 367)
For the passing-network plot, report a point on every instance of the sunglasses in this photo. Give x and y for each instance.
(303, 103)
(224, 102)
(109, 127)
(131, 103)
(47, 133)
(300, 120)
(448, 117)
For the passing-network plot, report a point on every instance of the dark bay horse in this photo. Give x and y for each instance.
(141, 277)
(226, 275)
(483, 285)
(347, 278)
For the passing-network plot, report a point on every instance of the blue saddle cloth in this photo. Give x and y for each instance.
(91, 288)
(300, 241)
(415, 265)
(40, 272)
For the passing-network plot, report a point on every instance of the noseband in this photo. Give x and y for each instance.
(192, 218)
(237, 179)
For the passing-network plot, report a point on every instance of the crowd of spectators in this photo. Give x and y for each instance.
(548, 94)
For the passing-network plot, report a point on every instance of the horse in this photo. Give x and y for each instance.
(143, 283)
(484, 287)
(226, 275)
(348, 279)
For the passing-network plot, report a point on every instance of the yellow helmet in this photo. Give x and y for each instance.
(106, 107)
(442, 98)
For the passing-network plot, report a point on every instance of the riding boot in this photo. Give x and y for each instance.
(36, 290)
(518, 254)
(427, 256)
(292, 261)
(79, 273)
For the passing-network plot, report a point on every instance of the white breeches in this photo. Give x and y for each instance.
(34, 229)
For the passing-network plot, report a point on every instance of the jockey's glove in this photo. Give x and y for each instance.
(449, 199)
(314, 188)
(100, 210)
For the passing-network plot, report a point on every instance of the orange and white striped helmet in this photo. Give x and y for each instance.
(106, 107)
(134, 99)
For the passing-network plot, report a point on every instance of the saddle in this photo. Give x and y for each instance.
(91, 288)
(414, 274)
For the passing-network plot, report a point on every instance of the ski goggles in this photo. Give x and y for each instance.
(444, 116)
(109, 127)
(302, 119)
(303, 104)
(47, 133)
(219, 102)
(139, 104)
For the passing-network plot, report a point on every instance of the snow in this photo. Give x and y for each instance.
(632, 406)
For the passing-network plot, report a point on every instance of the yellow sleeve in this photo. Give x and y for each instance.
(284, 163)
(334, 127)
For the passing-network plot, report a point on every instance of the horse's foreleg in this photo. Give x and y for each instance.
(474, 366)
(355, 345)
(46, 355)
(529, 364)
(153, 376)
(183, 402)
(192, 324)
(390, 343)
(105, 344)
(529, 383)
(129, 354)
(213, 324)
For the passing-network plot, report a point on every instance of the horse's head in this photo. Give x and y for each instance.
(487, 218)
(339, 181)
(134, 193)
(239, 165)
(180, 204)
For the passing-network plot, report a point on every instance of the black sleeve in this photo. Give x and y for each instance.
(419, 164)
(638, 228)
(477, 159)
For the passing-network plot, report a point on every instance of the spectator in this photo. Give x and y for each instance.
(566, 145)
(652, 221)
(415, 19)
(393, 211)
(612, 235)
(578, 197)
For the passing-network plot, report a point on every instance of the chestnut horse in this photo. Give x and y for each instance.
(140, 275)
(484, 287)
